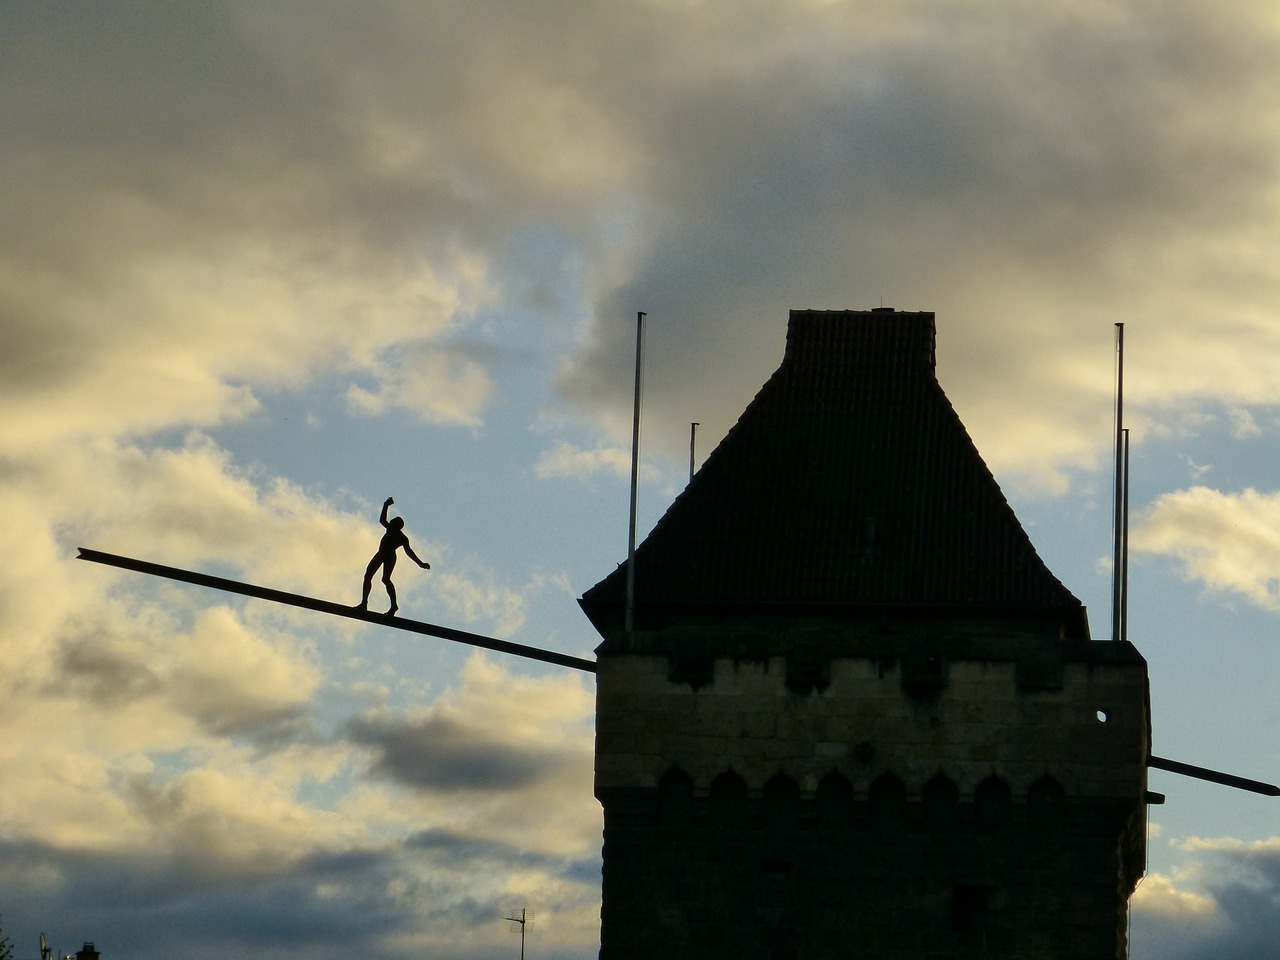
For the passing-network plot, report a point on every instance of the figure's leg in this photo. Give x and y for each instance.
(368, 582)
(389, 565)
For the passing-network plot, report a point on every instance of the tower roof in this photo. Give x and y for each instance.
(848, 483)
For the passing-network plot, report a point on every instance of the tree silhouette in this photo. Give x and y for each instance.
(6, 946)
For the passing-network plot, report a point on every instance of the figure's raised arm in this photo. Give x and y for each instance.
(382, 519)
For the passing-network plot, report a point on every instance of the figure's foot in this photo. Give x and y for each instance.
(362, 606)
(392, 611)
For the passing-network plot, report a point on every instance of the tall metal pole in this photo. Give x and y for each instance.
(1117, 586)
(693, 434)
(629, 619)
(1124, 547)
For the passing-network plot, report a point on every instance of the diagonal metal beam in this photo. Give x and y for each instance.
(1214, 776)
(337, 609)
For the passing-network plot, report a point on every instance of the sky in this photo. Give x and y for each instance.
(265, 264)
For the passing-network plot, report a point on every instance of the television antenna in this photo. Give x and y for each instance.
(524, 920)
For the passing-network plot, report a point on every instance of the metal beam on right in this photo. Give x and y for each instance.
(1214, 776)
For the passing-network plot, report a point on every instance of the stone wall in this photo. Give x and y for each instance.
(897, 803)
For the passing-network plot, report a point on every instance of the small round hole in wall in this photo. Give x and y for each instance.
(1103, 716)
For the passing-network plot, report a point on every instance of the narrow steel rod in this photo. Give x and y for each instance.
(1117, 584)
(1124, 547)
(336, 609)
(629, 615)
(1213, 776)
(693, 439)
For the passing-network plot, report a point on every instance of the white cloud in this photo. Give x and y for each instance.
(1196, 470)
(232, 680)
(566, 460)
(1160, 894)
(479, 598)
(1233, 845)
(440, 385)
(1229, 542)
(1243, 424)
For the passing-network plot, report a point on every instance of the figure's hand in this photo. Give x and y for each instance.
(424, 565)
(388, 502)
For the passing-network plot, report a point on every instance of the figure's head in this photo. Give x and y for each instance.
(397, 523)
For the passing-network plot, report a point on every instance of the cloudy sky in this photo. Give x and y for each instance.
(263, 264)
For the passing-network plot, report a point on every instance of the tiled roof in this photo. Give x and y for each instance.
(849, 481)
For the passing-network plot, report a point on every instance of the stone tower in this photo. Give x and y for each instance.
(857, 716)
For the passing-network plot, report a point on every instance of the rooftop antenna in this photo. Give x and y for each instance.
(629, 624)
(524, 920)
(693, 433)
(1124, 548)
(1121, 466)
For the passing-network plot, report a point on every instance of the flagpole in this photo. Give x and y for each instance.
(1117, 567)
(629, 618)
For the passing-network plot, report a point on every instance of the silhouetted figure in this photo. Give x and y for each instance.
(385, 558)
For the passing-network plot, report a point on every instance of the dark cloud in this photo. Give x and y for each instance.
(103, 669)
(440, 754)
(203, 153)
(711, 168)
(369, 903)
(111, 670)
(1244, 883)
(1246, 886)
(1004, 174)
(138, 906)
(456, 850)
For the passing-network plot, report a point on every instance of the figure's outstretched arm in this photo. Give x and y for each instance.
(414, 557)
(382, 519)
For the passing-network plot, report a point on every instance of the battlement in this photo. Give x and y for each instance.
(914, 716)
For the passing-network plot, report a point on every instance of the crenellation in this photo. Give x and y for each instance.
(1057, 735)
